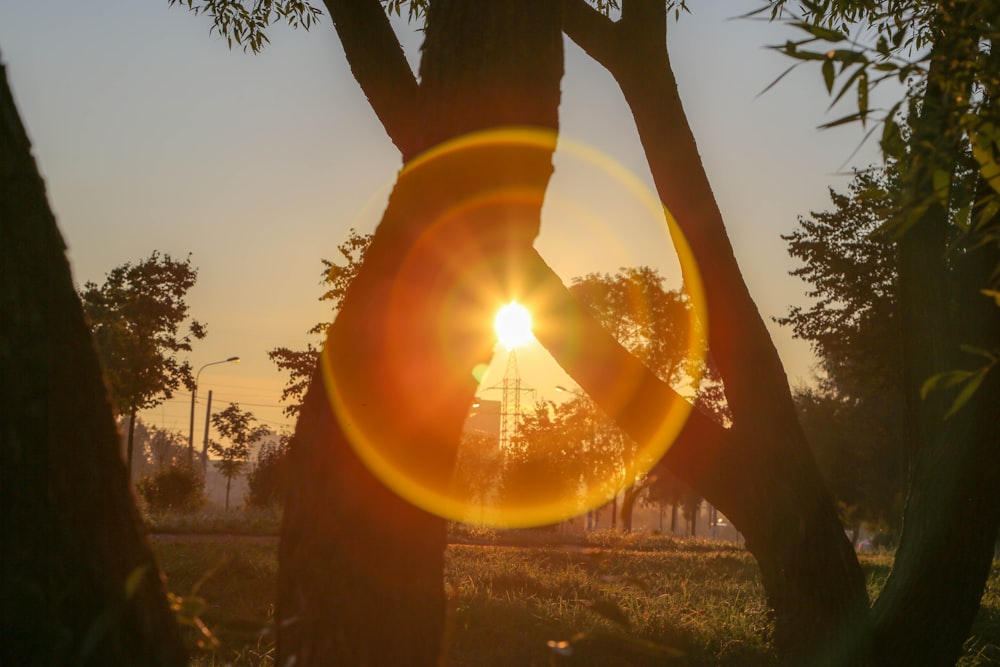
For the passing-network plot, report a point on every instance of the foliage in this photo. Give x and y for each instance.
(244, 23)
(337, 277)
(943, 134)
(136, 319)
(267, 481)
(236, 426)
(854, 419)
(177, 487)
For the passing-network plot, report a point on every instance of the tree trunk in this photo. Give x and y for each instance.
(765, 479)
(673, 518)
(131, 443)
(932, 595)
(78, 582)
(229, 481)
(361, 569)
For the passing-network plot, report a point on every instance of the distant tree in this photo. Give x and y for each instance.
(854, 418)
(79, 584)
(479, 459)
(136, 319)
(236, 426)
(301, 364)
(267, 481)
(653, 324)
(177, 486)
(163, 447)
(664, 489)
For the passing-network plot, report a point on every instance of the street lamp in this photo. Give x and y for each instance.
(194, 392)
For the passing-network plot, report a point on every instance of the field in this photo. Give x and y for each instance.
(619, 601)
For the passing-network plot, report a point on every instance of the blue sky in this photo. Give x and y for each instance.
(153, 135)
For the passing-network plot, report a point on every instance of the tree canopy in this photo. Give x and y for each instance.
(139, 320)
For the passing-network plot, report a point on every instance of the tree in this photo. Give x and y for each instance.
(136, 318)
(854, 419)
(758, 470)
(78, 581)
(236, 426)
(267, 481)
(300, 364)
(177, 486)
(945, 222)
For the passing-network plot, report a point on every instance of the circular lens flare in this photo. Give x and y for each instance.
(513, 326)
(501, 478)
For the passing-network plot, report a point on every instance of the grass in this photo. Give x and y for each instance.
(215, 520)
(607, 600)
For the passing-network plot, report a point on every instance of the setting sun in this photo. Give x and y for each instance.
(513, 325)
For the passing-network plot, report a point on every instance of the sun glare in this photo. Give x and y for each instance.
(513, 325)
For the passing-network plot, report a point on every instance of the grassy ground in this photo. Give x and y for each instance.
(629, 601)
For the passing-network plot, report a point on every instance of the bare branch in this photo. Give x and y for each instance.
(380, 67)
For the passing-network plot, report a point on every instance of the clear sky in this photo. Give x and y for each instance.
(153, 135)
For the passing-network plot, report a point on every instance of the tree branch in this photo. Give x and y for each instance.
(380, 68)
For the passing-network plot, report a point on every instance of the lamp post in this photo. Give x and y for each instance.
(194, 393)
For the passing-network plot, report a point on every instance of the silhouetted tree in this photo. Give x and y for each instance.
(136, 318)
(236, 426)
(300, 364)
(267, 481)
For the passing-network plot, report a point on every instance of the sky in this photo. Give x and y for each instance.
(152, 134)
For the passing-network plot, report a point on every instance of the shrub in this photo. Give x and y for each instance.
(267, 482)
(177, 487)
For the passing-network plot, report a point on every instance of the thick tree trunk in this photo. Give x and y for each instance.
(361, 569)
(932, 595)
(765, 479)
(78, 583)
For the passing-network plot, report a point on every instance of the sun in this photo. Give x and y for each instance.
(513, 325)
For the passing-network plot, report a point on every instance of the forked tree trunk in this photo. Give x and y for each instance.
(78, 583)
(765, 479)
(361, 570)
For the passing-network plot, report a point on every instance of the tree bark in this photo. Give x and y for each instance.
(360, 579)
(78, 582)
(765, 479)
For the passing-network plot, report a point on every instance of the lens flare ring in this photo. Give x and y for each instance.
(537, 498)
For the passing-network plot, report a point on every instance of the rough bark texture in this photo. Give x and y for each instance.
(361, 570)
(764, 478)
(71, 535)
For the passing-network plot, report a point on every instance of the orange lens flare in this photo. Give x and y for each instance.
(537, 484)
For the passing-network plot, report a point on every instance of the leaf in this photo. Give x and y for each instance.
(993, 294)
(828, 75)
(780, 77)
(967, 391)
(982, 150)
(943, 380)
(819, 32)
(134, 580)
(942, 185)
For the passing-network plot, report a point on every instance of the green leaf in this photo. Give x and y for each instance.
(134, 580)
(944, 380)
(863, 96)
(967, 391)
(819, 32)
(982, 150)
(942, 185)
(828, 75)
(993, 294)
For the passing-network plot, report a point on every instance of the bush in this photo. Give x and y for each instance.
(267, 482)
(178, 487)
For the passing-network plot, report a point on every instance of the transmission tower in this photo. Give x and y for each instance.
(510, 403)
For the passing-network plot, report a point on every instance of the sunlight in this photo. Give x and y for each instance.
(513, 325)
